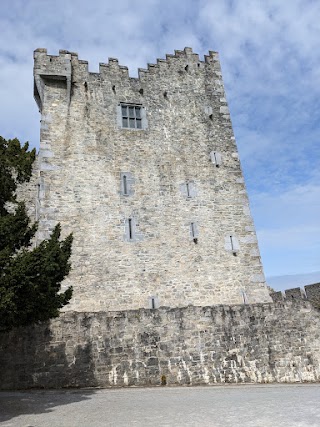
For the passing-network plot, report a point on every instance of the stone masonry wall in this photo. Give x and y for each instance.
(187, 138)
(259, 343)
(308, 292)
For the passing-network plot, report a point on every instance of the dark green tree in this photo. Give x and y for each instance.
(30, 278)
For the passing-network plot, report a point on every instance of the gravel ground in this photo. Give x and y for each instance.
(218, 406)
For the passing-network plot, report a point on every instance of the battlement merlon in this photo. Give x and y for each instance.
(308, 292)
(49, 67)
(61, 67)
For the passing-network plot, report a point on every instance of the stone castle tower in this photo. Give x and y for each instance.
(145, 173)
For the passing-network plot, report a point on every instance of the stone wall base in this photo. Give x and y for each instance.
(262, 343)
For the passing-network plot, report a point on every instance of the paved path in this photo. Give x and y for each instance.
(220, 406)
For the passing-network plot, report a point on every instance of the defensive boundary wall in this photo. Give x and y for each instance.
(309, 292)
(261, 343)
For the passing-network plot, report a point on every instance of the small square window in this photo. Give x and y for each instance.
(131, 116)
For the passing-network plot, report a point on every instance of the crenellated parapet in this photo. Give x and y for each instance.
(49, 67)
(308, 292)
(67, 68)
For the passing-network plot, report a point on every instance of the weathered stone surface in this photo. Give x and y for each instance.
(313, 293)
(309, 292)
(78, 182)
(192, 345)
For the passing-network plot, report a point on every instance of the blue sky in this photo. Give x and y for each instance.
(270, 57)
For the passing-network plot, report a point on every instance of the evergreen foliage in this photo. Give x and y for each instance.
(30, 279)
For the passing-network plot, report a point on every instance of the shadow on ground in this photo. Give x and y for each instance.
(16, 403)
(33, 362)
(36, 358)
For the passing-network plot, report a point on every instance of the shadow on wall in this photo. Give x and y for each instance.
(36, 347)
(42, 363)
(15, 404)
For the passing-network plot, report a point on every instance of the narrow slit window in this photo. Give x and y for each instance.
(188, 189)
(192, 230)
(231, 241)
(154, 302)
(244, 296)
(125, 184)
(232, 244)
(216, 158)
(130, 228)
